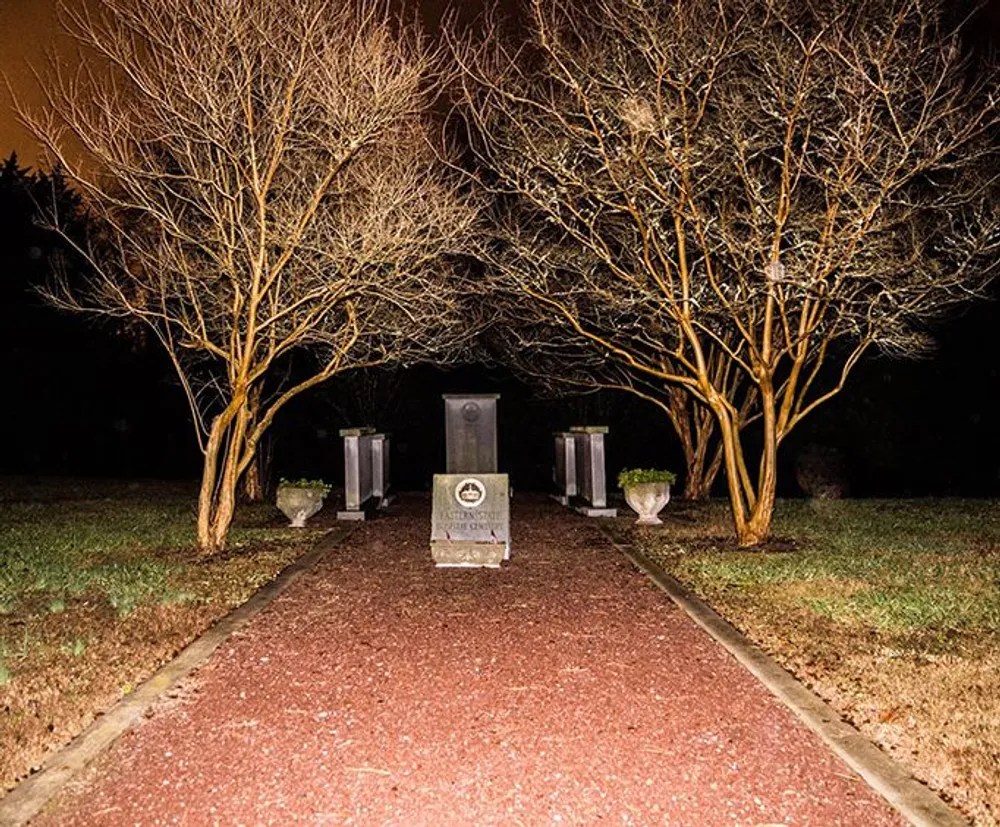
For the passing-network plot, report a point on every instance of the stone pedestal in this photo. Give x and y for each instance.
(381, 479)
(590, 479)
(565, 467)
(363, 448)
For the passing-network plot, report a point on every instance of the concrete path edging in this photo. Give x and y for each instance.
(916, 802)
(28, 798)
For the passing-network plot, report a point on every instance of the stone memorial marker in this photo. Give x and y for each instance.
(471, 433)
(365, 468)
(381, 478)
(590, 481)
(470, 521)
(565, 467)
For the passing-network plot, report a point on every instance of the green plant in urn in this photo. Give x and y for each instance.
(647, 491)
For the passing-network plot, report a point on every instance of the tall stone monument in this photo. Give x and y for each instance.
(470, 422)
(590, 481)
(579, 470)
(470, 521)
(366, 472)
(564, 472)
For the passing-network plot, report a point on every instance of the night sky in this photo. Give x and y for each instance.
(81, 400)
(29, 28)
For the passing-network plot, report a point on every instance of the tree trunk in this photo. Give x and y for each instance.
(209, 471)
(253, 480)
(700, 470)
(695, 487)
(757, 529)
(701, 476)
(226, 499)
(752, 510)
(694, 426)
(220, 473)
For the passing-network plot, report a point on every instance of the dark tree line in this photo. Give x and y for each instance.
(79, 397)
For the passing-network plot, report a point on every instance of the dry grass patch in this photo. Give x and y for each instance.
(101, 586)
(890, 610)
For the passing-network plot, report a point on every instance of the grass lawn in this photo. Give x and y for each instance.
(99, 586)
(890, 610)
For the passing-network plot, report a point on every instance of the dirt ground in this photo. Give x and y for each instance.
(562, 688)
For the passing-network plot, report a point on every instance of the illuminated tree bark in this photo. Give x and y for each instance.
(269, 190)
(781, 185)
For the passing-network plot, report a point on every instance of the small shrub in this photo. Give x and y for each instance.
(821, 472)
(75, 648)
(638, 476)
(317, 485)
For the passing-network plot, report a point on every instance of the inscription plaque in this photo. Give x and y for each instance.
(470, 521)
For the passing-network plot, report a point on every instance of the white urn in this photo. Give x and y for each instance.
(647, 499)
(299, 504)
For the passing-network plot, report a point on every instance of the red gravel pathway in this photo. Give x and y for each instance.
(560, 689)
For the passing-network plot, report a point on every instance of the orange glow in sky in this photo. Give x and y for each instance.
(28, 30)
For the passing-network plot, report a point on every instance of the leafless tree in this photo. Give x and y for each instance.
(268, 175)
(785, 183)
(548, 354)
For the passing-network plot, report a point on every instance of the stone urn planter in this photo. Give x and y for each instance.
(300, 499)
(647, 492)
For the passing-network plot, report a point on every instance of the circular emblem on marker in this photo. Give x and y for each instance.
(470, 493)
(470, 412)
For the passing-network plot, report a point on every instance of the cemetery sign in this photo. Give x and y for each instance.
(470, 521)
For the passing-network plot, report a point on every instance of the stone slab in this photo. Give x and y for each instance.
(470, 510)
(380, 451)
(589, 511)
(358, 470)
(352, 515)
(467, 555)
(590, 478)
(364, 431)
(471, 433)
(565, 466)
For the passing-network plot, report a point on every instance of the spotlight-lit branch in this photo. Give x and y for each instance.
(265, 176)
(780, 184)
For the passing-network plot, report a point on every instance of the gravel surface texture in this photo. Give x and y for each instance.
(561, 689)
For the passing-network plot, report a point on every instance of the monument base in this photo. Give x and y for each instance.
(591, 511)
(467, 555)
(352, 515)
(562, 499)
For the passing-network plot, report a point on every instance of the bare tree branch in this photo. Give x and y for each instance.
(266, 178)
(780, 184)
